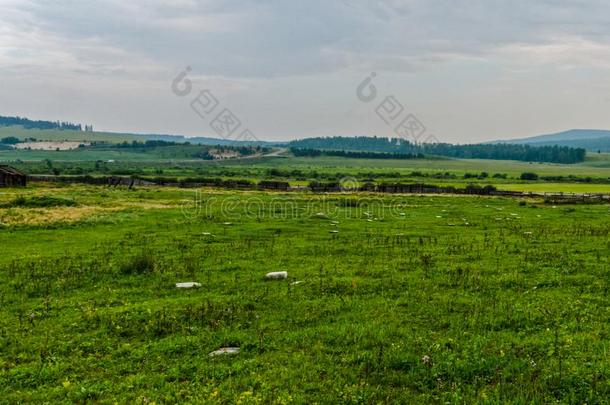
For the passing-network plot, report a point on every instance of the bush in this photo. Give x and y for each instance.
(529, 176)
(10, 140)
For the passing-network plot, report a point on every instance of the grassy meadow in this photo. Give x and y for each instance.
(389, 299)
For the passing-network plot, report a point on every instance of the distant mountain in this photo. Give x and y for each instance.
(590, 139)
(202, 140)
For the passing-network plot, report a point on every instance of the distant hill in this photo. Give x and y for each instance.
(25, 128)
(56, 134)
(589, 139)
(202, 140)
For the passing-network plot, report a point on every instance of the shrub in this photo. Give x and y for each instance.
(529, 176)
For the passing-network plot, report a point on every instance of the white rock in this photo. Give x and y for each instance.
(276, 275)
(188, 285)
(225, 350)
(296, 283)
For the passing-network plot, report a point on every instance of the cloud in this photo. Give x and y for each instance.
(278, 38)
(239, 46)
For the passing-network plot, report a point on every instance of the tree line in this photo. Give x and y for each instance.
(526, 153)
(354, 154)
(38, 124)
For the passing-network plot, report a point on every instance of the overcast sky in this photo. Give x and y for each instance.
(469, 70)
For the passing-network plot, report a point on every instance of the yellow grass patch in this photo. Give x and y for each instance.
(54, 215)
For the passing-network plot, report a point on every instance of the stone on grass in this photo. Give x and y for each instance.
(277, 275)
(188, 285)
(225, 350)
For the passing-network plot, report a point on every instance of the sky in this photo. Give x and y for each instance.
(468, 71)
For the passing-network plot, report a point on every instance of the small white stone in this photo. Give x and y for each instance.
(296, 283)
(277, 275)
(225, 350)
(188, 285)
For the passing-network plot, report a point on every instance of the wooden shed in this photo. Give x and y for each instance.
(11, 177)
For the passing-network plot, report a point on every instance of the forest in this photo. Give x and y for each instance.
(31, 124)
(525, 153)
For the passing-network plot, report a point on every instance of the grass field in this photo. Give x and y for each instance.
(595, 166)
(65, 135)
(402, 299)
(180, 161)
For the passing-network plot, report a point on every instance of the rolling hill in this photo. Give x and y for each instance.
(590, 139)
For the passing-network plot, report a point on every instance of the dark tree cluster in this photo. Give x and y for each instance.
(354, 154)
(359, 143)
(30, 124)
(9, 140)
(526, 153)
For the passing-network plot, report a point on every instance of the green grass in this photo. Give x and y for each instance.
(87, 155)
(591, 176)
(434, 300)
(65, 135)
(598, 167)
